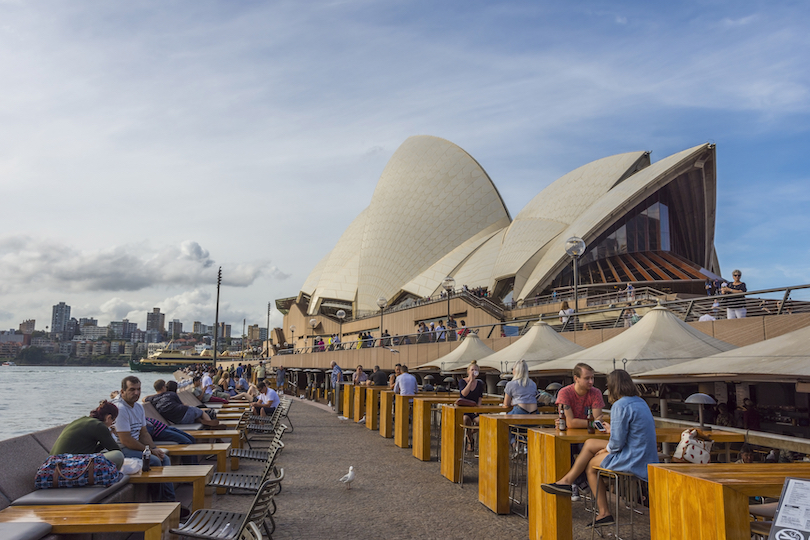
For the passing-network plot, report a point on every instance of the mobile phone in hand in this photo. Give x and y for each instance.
(599, 425)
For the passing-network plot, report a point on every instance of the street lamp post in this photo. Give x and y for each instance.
(292, 331)
(341, 315)
(449, 285)
(381, 302)
(575, 248)
(313, 323)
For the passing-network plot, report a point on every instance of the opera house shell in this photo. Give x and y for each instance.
(435, 213)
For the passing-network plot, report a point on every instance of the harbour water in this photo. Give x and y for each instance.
(33, 398)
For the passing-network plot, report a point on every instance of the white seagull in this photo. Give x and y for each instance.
(348, 478)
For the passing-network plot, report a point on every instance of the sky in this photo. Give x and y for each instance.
(145, 144)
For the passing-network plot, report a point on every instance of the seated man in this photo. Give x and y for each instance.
(267, 400)
(168, 404)
(378, 378)
(204, 395)
(405, 384)
(393, 377)
(132, 435)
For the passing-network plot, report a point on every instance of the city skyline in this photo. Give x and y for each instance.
(144, 146)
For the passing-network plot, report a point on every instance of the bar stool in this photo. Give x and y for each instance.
(436, 429)
(627, 483)
(467, 429)
(518, 474)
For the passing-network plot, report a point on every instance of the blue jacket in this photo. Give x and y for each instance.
(632, 437)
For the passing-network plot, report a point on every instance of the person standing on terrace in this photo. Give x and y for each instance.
(451, 328)
(735, 307)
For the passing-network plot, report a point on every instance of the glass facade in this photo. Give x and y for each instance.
(645, 230)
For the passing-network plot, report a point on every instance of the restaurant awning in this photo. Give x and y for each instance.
(471, 348)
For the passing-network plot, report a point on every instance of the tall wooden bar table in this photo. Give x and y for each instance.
(387, 414)
(402, 425)
(710, 501)
(359, 402)
(453, 436)
(549, 460)
(422, 421)
(347, 391)
(493, 463)
(373, 406)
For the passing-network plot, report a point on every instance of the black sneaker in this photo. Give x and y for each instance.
(557, 489)
(185, 513)
(604, 522)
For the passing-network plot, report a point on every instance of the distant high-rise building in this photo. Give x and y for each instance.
(156, 321)
(175, 328)
(88, 321)
(255, 333)
(72, 329)
(198, 328)
(122, 329)
(224, 331)
(59, 319)
(28, 327)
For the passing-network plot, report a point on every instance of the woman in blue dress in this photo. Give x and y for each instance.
(630, 449)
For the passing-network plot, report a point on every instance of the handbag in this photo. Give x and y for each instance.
(76, 470)
(693, 448)
(461, 402)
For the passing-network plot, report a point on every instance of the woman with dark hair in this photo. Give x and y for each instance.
(630, 449)
(91, 434)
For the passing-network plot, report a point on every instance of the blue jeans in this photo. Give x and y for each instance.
(164, 492)
(517, 409)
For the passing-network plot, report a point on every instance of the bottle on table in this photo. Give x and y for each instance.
(591, 429)
(147, 456)
(561, 424)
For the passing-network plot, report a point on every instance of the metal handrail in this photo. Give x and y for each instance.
(689, 309)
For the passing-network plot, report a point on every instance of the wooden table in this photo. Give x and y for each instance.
(387, 414)
(234, 435)
(201, 449)
(373, 406)
(347, 393)
(153, 520)
(550, 458)
(453, 436)
(359, 403)
(196, 475)
(494, 450)
(711, 501)
(422, 406)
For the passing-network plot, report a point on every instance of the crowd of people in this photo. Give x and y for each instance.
(120, 428)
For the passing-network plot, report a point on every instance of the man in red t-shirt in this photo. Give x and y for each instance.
(576, 398)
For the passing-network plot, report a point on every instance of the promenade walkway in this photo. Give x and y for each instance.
(394, 496)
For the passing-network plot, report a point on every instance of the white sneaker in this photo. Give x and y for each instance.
(575, 494)
(362, 420)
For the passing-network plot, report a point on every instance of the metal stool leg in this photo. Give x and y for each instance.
(518, 477)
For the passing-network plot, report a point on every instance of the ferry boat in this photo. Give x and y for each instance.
(9, 363)
(169, 361)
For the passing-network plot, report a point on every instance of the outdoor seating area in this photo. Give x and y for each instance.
(124, 511)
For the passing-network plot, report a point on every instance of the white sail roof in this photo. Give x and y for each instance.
(471, 348)
(783, 358)
(658, 340)
(540, 344)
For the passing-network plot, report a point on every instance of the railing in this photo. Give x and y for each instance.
(765, 302)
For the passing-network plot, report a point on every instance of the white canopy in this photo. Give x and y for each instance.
(540, 344)
(658, 340)
(471, 348)
(783, 358)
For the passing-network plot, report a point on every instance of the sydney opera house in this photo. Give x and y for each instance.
(436, 213)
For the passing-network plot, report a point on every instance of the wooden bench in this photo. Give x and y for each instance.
(196, 475)
(153, 520)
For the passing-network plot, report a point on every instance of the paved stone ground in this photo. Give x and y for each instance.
(394, 496)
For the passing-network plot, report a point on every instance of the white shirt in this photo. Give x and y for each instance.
(269, 396)
(206, 382)
(405, 385)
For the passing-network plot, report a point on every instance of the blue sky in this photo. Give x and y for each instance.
(144, 144)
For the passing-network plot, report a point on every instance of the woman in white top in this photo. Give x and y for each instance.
(565, 312)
